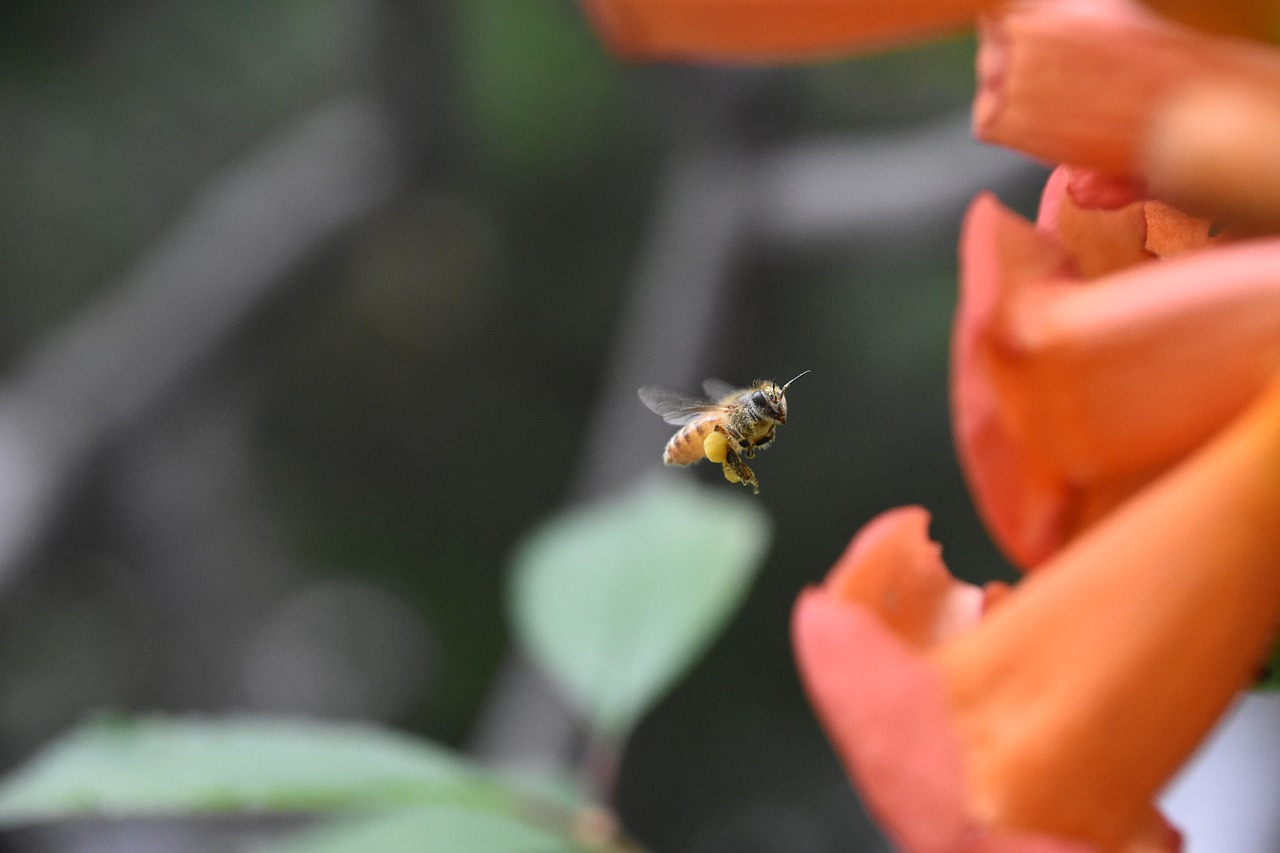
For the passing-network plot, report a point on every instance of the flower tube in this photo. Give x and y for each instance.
(1052, 720)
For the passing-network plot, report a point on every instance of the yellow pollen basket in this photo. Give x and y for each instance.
(716, 446)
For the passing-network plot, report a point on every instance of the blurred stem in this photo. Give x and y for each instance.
(591, 828)
(601, 761)
(598, 829)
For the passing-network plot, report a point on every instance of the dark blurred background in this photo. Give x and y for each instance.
(309, 309)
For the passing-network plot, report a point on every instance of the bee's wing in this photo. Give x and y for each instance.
(676, 407)
(718, 389)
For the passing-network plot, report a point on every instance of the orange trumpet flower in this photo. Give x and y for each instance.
(1050, 719)
(771, 30)
(1095, 350)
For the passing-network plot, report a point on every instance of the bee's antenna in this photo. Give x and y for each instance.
(793, 379)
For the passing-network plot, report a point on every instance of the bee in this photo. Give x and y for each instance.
(733, 424)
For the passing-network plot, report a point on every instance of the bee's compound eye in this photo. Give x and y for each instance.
(760, 400)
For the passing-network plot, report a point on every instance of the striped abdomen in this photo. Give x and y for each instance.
(685, 446)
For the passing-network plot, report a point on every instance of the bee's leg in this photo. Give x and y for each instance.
(739, 443)
(736, 471)
(763, 441)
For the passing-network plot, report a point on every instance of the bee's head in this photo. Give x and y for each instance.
(770, 398)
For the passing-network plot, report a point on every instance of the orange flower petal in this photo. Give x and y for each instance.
(764, 30)
(1107, 223)
(1170, 231)
(1068, 395)
(1080, 81)
(1021, 497)
(892, 567)
(1103, 240)
(882, 705)
(1080, 696)
(1090, 188)
(884, 710)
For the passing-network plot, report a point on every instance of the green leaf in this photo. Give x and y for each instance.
(619, 599)
(158, 766)
(433, 829)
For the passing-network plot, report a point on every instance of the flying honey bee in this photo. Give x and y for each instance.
(734, 423)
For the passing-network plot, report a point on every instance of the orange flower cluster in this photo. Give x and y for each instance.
(1116, 403)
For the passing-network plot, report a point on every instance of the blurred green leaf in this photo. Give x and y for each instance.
(618, 600)
(155, 766)
(543, 96)
(434, 829)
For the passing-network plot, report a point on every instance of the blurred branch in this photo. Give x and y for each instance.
(416, 74)
(823, 192)
(220, 263)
